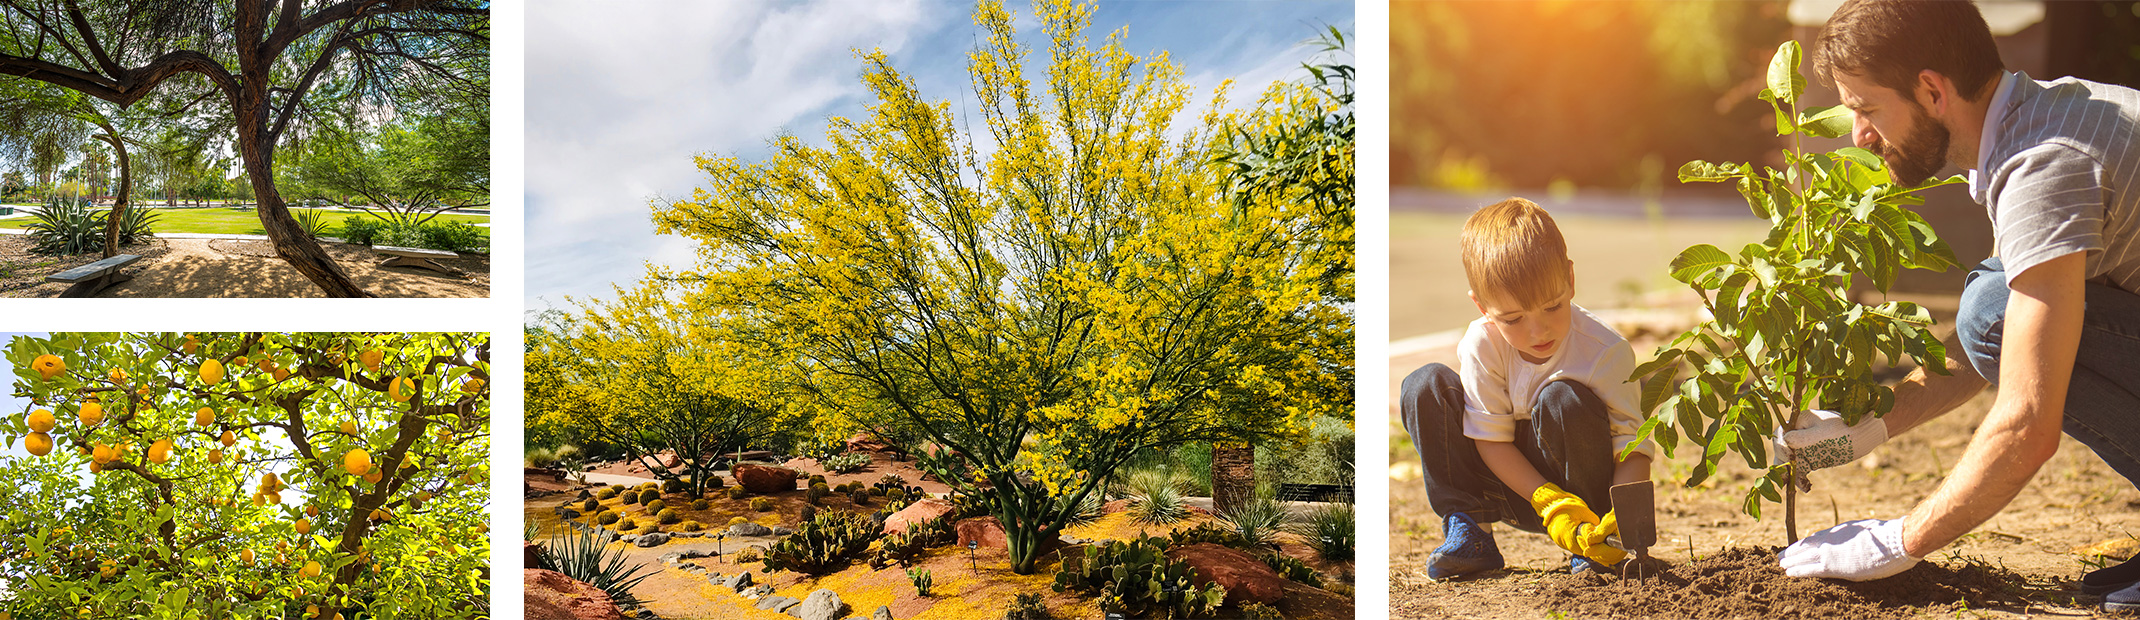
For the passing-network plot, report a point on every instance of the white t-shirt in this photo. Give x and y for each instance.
(1499, 384)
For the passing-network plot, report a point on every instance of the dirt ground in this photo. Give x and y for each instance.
(225, 268)
(967, 585)
(2075, 503)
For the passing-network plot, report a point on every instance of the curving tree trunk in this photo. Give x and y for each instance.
(126, 189)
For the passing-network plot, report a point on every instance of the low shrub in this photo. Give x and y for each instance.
(656, 506)
(626, 523)
(846, 463)
(362, 229)
(715, 483)
(738, 493)
(699, 504)
(761, 504)
(606, 493)
(749, 554)
(648, 496)
(590, 505)
(1259, 611)
(674, 485)
(691, 526)
(455, 237)
(666, 516)
(860, 497)
(1328, 530)
(605, 517)
(808, 512)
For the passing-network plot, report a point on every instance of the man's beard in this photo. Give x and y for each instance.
(1919, 156)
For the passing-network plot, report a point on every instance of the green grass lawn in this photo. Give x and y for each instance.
(234, 222)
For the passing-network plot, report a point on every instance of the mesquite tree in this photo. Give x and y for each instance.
(268, 64)
(1786, 335)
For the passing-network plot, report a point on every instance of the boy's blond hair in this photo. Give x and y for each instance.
(1513, 253)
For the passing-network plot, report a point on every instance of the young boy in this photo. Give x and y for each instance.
(1530, 430)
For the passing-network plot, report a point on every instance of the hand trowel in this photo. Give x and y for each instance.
(1634, 505)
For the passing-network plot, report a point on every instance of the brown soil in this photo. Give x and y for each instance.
(1745, 583)
(224, 268)
(2075, 502)
(22, 273)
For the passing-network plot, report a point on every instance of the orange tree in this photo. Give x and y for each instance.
(1084, 290)
(247, 476)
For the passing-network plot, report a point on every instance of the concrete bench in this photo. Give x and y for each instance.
(416, 257)
(93, 278)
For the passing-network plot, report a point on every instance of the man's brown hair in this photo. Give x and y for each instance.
(1513, 252)
(1891, 41)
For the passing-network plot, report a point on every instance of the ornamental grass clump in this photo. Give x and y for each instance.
(1328, 530)
(1785, 334)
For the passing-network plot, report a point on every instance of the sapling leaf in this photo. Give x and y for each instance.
(1654, 390)
(1706, 172)
(1695, 261)
(1825, 122)
(1783, 78)
(1664, 356)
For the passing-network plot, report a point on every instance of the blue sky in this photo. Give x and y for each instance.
(621, 96)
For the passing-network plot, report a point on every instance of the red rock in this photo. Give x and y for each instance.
(1114, 506)
(553, 596)
(920, 512)
(866, 442)
(990, 533)
(1245, 578)
(533, 556)
(765, 480)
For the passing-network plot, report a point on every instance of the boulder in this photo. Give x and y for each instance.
(738, 582)
(1114, 506)
(533, 555)
(553, 596)
(1245, 578)
(866, 442)
(763, 480)
(777, 603)
(884, 612)
(821, 605)
(983, 529)
(652, 540)
(567, 513)
(749, 529)
(920, 512)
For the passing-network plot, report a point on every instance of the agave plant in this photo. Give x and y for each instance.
(66, 227)
(73, 227)
(1155, 497)
(588, 558)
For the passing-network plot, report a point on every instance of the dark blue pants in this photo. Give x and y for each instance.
(1568, 439)
(2101, 397)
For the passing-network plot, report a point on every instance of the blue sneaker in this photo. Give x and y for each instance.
(1468, 549)
(2123, 601)
(1578, 565)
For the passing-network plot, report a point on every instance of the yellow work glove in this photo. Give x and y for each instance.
(1572, 525)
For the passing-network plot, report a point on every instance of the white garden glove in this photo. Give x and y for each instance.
(1861, 550)
(1826, 441)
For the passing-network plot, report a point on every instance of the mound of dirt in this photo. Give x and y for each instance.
(1746, 583)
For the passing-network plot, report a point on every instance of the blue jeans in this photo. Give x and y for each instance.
(1568, 439)
(2102, 407)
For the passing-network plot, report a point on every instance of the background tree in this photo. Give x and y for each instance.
(650, 381)
(1085, 290)
(248, 476)
(1297, 145)
(271, 65)
(410, 170)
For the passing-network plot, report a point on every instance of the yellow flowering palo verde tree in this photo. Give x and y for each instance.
(1068, 284)
(247, 476)
(644, 376)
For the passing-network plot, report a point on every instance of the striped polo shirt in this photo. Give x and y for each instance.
(2058, 173)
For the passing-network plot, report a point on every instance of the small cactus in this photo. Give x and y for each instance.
(655, 506)
(699, 504)
(666, 516)
(761, 504)
(649, 495)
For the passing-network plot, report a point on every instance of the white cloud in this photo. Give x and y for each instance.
(620, 96)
